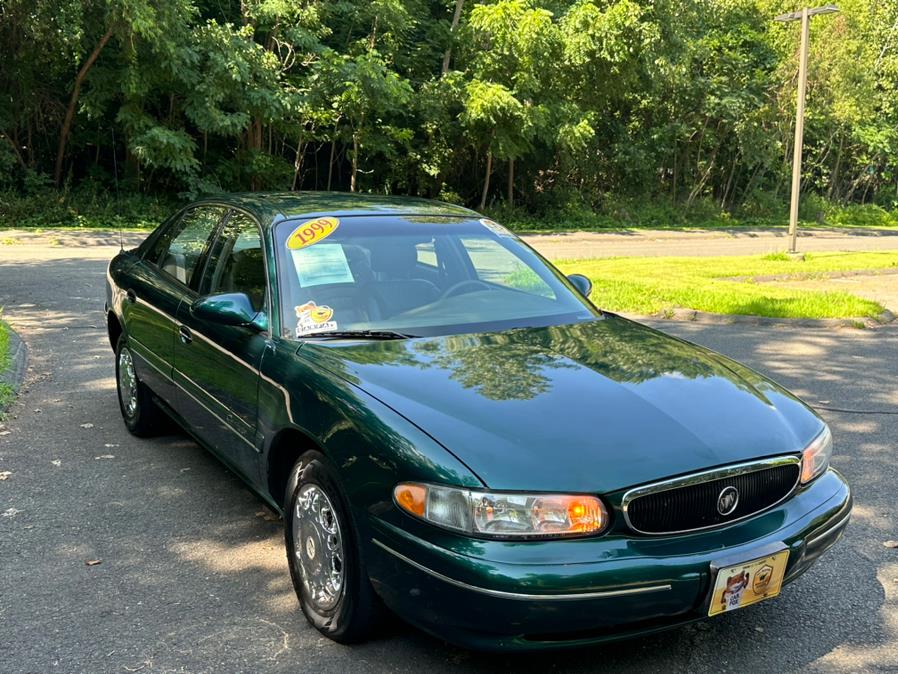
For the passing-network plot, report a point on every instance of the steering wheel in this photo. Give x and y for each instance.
(456, 289)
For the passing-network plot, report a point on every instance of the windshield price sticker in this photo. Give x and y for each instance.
(496, 228)
(312, 318)
(322, 265)
(312, 231)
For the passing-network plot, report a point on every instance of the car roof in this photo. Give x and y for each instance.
(273, 207)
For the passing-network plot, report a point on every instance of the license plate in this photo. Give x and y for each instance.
(747, 583)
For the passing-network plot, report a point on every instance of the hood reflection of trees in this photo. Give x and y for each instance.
(517, 364)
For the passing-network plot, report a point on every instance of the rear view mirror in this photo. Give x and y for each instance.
(581, 283)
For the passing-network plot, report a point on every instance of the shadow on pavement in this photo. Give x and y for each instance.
(192, 575)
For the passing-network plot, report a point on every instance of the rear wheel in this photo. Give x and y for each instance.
(328, 573)
(139, 410)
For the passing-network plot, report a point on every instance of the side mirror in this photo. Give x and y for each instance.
(229, 309)
(581, 283)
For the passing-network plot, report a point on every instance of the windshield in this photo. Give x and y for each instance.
(415, 275)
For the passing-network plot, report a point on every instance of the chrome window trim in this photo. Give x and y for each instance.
(709, 476)
(521, 596)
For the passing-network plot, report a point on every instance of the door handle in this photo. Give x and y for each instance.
(185, 335)
(131, 296)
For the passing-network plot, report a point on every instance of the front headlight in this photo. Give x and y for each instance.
(502, 515)
(815, 457)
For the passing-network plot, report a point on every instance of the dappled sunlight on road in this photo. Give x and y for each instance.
(192, 566)
(872, 656)
(263, 556)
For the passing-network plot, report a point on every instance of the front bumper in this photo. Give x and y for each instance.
(494, 595)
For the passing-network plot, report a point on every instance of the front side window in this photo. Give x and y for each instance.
(416, 275)
(236, 261)
(180, 248)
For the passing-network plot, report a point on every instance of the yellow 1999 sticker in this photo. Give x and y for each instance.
(312, 231)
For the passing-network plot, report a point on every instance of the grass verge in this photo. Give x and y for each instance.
(6, 390)
(728, 285)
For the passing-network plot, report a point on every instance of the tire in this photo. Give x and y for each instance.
(139, 411)
(316, 513)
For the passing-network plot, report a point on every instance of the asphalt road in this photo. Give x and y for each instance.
(707, 243)
(193, 577)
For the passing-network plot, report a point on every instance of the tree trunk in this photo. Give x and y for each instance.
(866, 189)
(833, 192)
(330, 163)
(15, 149)
(456, 17)
(697, 189)
(355, 162)
(255, 144)
(73, 104)
(673, 189)
(297, 163)
(486, 179)
(729, 183)
(372, 39)
(511, 182)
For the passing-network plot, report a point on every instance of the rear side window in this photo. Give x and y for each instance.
(180, 248)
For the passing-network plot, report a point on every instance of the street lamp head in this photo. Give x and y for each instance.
(796, 16)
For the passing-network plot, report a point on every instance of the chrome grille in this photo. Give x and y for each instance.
(690, 503)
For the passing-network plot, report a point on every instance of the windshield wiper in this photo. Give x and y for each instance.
(357, 334)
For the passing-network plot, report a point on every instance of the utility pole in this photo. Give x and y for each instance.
(805, 17)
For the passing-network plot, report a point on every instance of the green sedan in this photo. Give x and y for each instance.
(454, 432)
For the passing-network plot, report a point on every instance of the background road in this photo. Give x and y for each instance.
(193, 577)
(572, 245)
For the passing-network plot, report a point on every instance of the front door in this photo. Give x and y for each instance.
(159, 282)
(217, 366)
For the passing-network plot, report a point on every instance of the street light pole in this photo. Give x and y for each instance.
(805, 17)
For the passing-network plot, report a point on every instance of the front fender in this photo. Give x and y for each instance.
(372, 446)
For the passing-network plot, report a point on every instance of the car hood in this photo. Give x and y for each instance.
(594, 406)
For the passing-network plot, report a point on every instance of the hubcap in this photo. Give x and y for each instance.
(318, 546)
(127, 382)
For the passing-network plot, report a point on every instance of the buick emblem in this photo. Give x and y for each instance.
(727, 501)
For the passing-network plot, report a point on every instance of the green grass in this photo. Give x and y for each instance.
(727, 285)
(6, 390)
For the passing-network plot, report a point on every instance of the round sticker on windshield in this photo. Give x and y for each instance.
(311, 231)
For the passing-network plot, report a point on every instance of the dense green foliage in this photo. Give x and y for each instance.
(566, 107)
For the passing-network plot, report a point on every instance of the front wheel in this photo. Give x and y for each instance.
(328, 573)
(139, 411)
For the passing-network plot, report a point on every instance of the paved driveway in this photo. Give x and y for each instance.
(192, 575)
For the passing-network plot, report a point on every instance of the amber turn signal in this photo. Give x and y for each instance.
(411, 497)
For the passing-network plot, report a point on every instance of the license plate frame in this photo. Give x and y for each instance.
(751, 578)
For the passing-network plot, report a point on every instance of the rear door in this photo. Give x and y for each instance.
(157, 286)
(217, 366)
